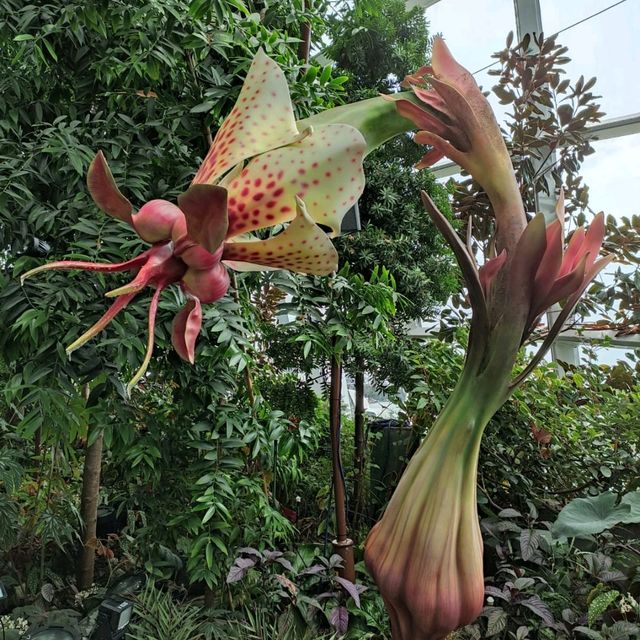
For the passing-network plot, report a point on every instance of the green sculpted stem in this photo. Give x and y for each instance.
(377, 119)
(426, 552)
(436, 572)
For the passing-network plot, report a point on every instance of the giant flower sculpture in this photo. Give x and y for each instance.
(263, 169)
(426, 552)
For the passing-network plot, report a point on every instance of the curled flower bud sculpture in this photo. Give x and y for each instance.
(425, 554)
(263, 169)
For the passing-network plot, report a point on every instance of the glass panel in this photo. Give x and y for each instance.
(610, 173)
(474, 30)
(605, 46)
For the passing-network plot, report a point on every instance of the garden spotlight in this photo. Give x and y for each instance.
(114, 616)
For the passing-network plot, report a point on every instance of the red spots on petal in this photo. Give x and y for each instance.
(245, 192)
(271, 184)
(245, 216)
(258, 196)
(270, 216)
(258, 181)
(327, 174)
(280, 175)
(285, 209)
(314, 165)
(241, 206)
(302, 171)
(271, 204)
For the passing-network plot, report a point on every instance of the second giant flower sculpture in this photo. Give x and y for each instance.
(262, 170)
(426, 552)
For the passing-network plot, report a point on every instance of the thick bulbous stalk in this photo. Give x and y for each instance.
(425, 554)
(377, 119)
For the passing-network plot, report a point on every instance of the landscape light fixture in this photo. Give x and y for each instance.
(114, 616)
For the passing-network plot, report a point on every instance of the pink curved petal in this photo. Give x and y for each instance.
(443, 146)
(103, 267)
(185, 329)
(118, 305)
(205, 209)
(153, 310)
(429, 159)
(161, 268)
(302, 247)
(208, 285)
(324, 169)
(104, 191)
(262, 119)
(425, 120)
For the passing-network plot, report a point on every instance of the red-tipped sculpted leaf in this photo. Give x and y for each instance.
(104, 191)
(565, 286)
(205, 209)
(186, 327)
(302, 247)
(528, 254)
(573, 252)
(593, 240)
(489, 270)
(445, 66)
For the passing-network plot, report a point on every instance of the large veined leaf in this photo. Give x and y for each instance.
(587, 516)
(633, 500)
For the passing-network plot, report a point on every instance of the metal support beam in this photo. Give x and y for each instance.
(528, 17)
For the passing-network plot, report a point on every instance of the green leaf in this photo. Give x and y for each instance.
(203, 107)
(496, 622)
(631, 499)
(23, 37)
(587, 516)
(600, 604)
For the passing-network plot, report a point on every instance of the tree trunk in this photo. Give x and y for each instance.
(359, 443)
(89, 511)
(304, 48)
(342, 545)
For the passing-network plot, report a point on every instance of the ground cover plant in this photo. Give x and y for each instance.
(204, 491)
